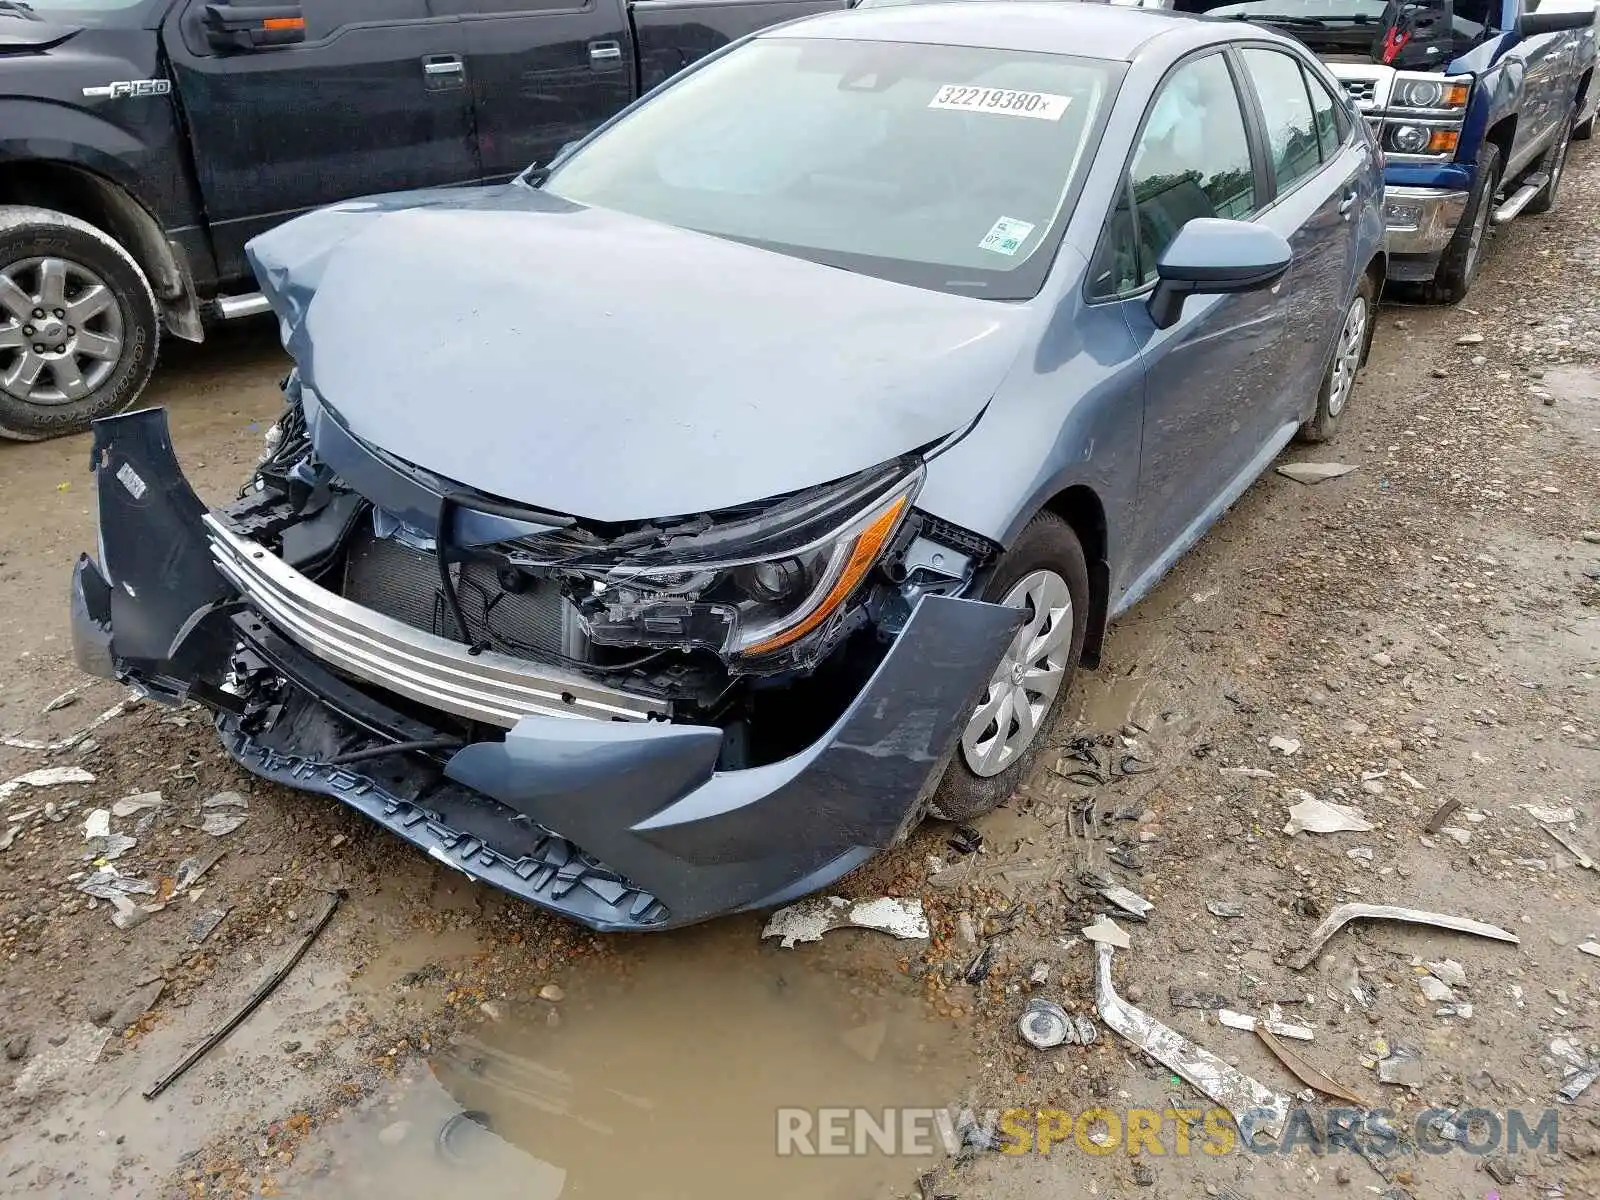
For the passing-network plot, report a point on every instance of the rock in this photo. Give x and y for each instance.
(1315, 472)
(136, 1005)
(136, 804)
(218, 824)
(1470, 339)
(1341, 1175)
(1448, 972)
(291, 1047)
(226, 800)
(1592, 536)
(100, 1012)
(393, 1135)
(492, 1010)
(1285, 746)
(553, 993)
(1382, 659)
(17, 1047)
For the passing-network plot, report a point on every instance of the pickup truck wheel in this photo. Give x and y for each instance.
(1043, 574)
(1349, 352)
(78, 324)
(1553, 165)
(1583, 132)
(1458, 266)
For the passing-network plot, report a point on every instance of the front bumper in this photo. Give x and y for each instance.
(1420, 222)
(583, 800)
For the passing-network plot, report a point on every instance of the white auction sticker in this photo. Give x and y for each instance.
(1006, 236)
(1041, 105)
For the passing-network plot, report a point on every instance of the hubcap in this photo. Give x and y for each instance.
(1347, 358)
(60, 331)
(1025, 681)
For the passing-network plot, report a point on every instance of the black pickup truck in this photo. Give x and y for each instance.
(143, 142)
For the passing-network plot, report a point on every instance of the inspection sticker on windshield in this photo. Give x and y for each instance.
(1006, 237)
(1042, 105)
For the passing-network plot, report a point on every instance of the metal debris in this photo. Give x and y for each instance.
(1577, 852)
(1135, 905)
(1345, 913)
(219, 824)
(1184, 998)
(1044, 1024)
(130, 805)
(70, 696)
(1402, 1067)
(978, 969)
(1225, 909)
(1255, 1108)
(1236, 1020)
(107, 884)
(1107, 932)
(810, 919)
(191, 869)
(44, 777)
(965, 840)
(1441, 815)
(1306, 1073)
(1321, 816)
(249, 1006)
(110, 847)
(206, 924)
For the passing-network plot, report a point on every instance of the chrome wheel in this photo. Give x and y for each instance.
(1025, 683)
(60, 331)
(1347, 356)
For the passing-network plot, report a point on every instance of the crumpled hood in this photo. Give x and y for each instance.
(596, 364)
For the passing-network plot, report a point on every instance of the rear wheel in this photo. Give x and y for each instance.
(78, 324)
(1044, 575)
(1458, 266)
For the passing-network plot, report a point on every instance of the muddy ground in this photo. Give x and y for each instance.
(1426, 628)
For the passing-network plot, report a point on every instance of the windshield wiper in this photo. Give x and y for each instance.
(1292, 20)
(20, 8)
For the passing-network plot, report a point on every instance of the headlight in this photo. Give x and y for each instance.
(1429, 91)
(744, 607)
(1408, 139)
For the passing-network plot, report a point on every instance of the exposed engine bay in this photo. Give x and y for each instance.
(764, 620)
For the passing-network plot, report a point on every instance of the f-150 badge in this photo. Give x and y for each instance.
(129, 87)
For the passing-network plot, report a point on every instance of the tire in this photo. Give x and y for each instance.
(53, 381)
(1553, 162)
(1458, 266)
(1046, 545)
(1349, 352)
(1583, 132)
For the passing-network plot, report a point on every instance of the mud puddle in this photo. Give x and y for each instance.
(663, 1073)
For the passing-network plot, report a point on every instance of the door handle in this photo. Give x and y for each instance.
(1345, 205)
(603, 55)
(442, 72)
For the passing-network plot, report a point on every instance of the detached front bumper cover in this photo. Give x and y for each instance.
(620, 823)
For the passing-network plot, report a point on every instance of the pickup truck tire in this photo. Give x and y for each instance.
(1553, 163)
(1458, 265)
(1045, 563)
(78, 324)
(1349, 352)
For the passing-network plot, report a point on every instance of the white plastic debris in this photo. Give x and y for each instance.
(1562, 814)
(1322, 816)
(44, 777)
(1457, 834)
(226, 800)
(1236, 1020)
(1274, 1023)
(1285, 746)
(1435, 991)
(1345, 913)
(810, 919)
(129, 805)
(9, 835)
(1590, 948)
(1448, 971)
(1135, 905)
(1108, 933)
(1255, 1108)
(97, 824)
(218, 824)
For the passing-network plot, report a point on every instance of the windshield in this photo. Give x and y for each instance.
(941, 166)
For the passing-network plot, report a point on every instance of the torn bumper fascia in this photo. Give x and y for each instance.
(619, 825)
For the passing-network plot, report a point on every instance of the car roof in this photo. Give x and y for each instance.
(1107, 31)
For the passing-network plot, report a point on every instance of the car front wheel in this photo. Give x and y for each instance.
(78, 324)
(1045, 576)
(1348, 354)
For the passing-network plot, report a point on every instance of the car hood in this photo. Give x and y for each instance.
(608, 367)
(23, 35)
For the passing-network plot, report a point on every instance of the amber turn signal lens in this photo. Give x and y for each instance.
(284, 23)
(869, 544)
(1443, 141)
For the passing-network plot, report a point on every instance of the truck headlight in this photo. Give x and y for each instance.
(1429, 92)
(1408, 139)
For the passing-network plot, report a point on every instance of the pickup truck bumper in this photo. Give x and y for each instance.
(605, 813)
(1420, 221)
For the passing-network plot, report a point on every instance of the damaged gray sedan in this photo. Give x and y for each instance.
(666, 532)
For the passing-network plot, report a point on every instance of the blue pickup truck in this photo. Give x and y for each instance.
(1473, 101)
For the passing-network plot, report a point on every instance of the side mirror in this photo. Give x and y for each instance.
(235, 27)
(1211, 257)
(1531, 24)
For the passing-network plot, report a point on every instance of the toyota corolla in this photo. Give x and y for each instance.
(666, 532)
